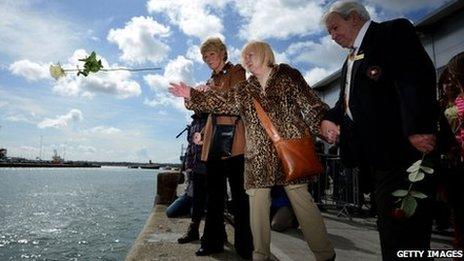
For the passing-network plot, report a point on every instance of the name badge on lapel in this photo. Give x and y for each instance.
(359, 57)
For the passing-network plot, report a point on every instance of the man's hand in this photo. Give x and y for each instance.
(330, 131)
(196, 138)
(424, 143)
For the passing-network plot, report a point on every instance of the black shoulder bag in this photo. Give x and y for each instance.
(222, 140)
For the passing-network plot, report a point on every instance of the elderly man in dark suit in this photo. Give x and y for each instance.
(386, 115)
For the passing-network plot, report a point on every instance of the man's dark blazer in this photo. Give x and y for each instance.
(392, 96)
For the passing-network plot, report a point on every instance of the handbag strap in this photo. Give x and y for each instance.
(266, 122)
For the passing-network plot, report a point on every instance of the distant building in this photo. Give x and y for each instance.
(441, 33)
(56, 158)
(3, 152)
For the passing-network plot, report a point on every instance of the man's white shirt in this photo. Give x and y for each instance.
(354, 51)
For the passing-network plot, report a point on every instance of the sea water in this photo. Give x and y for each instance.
(72, 214)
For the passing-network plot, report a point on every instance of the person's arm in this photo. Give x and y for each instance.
(212, 101)
(413, 74)
(188, 151)
(334, 114)
(202, 88)
(330, 125)
(311, 106)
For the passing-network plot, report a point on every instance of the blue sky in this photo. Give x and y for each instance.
(123, 116)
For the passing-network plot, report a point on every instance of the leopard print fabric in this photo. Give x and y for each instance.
(293, 107)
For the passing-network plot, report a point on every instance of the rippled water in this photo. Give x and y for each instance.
(72, 214)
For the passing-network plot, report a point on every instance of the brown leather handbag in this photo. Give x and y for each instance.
(298, 156)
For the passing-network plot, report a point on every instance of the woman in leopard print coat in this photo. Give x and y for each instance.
(294, 109)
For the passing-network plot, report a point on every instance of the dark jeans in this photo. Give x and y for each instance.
(402, 234)
(199, 197)
(218, 171)
(180, 207)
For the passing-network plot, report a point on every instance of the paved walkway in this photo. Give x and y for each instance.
(353, 240)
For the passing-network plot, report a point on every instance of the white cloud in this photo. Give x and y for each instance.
(324, 57)
(194, 18)
(323, 53)
(103, 130)
(141, 40)
(281, 57)
(315, 74)
(117, 83)
(87, 95)
(69, 86)
(24, 151)
(30, 70)
(143, 154)
(3, 104)
(36, 35)
(18, 104)
(22, 118)
(278, 18)
(86, 149)
(234, 54)
(179, 69)
(62, 121)
(193, 53)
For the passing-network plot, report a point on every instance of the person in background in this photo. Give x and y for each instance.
(454, 180)
(386, 116)
(282, 215)
(223, 148)
(197, 174)
(296, 111)
(456, 71)
(182, 206)
(447, 93)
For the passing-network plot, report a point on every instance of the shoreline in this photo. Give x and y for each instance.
(47, 165)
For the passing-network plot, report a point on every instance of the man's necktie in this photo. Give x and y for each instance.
(352, 53)
(351, 57)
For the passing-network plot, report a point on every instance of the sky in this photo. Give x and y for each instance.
(130, 116)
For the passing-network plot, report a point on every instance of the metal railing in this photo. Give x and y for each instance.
(337, 187)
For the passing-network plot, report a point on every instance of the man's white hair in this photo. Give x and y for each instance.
(344, 9)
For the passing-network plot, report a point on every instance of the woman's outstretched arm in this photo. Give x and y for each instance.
(211, 101)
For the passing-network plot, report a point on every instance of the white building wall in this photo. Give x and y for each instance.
(446, 40)
(331, 93)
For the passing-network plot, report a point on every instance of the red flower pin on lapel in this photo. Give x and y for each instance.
(374, 72)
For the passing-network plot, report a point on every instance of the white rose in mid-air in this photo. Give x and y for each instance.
(56, 71)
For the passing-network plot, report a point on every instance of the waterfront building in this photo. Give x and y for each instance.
(3, 153)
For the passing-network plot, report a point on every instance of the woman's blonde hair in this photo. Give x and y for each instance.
(456, 69)
(214, 44)
(261, 50)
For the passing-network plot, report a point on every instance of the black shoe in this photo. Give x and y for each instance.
(333, 258)
(187, 238)
(191, 235)
(202, 251)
